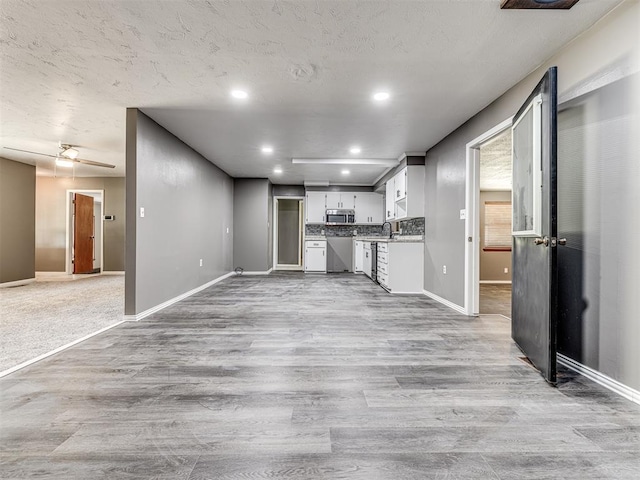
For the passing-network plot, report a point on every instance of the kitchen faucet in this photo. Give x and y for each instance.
(390, 229)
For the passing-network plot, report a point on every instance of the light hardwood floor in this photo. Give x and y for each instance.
(294, 376)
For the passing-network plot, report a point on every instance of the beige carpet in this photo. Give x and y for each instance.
(42, 316)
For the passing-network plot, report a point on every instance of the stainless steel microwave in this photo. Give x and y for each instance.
(340, 217)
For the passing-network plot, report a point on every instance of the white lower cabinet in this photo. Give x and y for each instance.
(358, 256)
(315, 256)
(400, 266)
(366, 260)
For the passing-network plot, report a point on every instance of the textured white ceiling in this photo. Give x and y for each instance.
(71, 68)
(495, 163)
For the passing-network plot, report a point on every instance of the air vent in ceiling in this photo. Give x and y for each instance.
(526, 4)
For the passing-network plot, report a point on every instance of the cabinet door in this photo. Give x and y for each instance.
(348, 200)
(333, 200)
(390, 200)
(315, 260)
(366, 263)
(368, 208)
(315, 207)
(358, 256)
(400, 184)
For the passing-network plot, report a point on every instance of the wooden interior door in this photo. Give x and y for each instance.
(83, 233)
(534, 297)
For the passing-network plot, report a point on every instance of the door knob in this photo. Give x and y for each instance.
(562, 241)
(542, 241)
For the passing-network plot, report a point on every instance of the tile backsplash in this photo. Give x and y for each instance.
(414, 226)
(344, 230)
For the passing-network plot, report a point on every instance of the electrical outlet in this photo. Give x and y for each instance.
(506, 270)
(227, 229)
(444, 269)
(141, 212)
(200, 262)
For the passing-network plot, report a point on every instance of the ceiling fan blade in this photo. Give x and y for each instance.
(91, 162)
(28, 151)
(77, 160)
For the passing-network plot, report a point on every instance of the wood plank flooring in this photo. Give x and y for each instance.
(294, 376)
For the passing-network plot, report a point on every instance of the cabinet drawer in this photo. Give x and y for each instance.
(383, 279)
(383, 267)
(383, 257)
(383, 247)
(312, 244)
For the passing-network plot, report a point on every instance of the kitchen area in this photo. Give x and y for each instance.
(378, 233)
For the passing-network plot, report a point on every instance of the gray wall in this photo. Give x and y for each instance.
(253, 220)
(492, 264)
(606, 52)
(17, 221)
(188, 206)
(51, 220)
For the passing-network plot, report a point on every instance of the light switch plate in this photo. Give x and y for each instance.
(141, 212)
(463, 214)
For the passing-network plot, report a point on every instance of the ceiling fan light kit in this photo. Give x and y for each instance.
(537, 4)
(61, 162)
(68, 151)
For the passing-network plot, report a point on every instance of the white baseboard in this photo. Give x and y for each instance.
(267, 272)
(157, 308)
(495, 282)
(446, 302)
(17, 283)
(112, 272)
(59, 349)
(600, 378)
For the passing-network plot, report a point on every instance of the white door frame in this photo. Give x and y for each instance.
(472, 222)
(276, 265)
(69, 229)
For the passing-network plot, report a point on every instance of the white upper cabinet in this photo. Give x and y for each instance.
(368, 206)
(315, 207)
(400, 184)
(405, 194)
(390, 200)
(340, 200)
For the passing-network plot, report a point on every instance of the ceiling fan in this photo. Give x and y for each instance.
(67, 156)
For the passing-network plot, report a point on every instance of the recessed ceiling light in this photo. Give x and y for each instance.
(241, 94)
(346, 172)
(381, 96)
(355, 150)
(277, 170)
(267, 149)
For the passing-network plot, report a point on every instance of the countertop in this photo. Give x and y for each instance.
(400, 239)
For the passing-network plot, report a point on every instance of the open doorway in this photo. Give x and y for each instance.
(288, 232)
(85, 245)
(488, 223)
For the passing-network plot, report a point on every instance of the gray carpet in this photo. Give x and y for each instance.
(42, 316)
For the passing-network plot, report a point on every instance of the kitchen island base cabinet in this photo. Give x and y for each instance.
(315, 256)
(401, 266)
